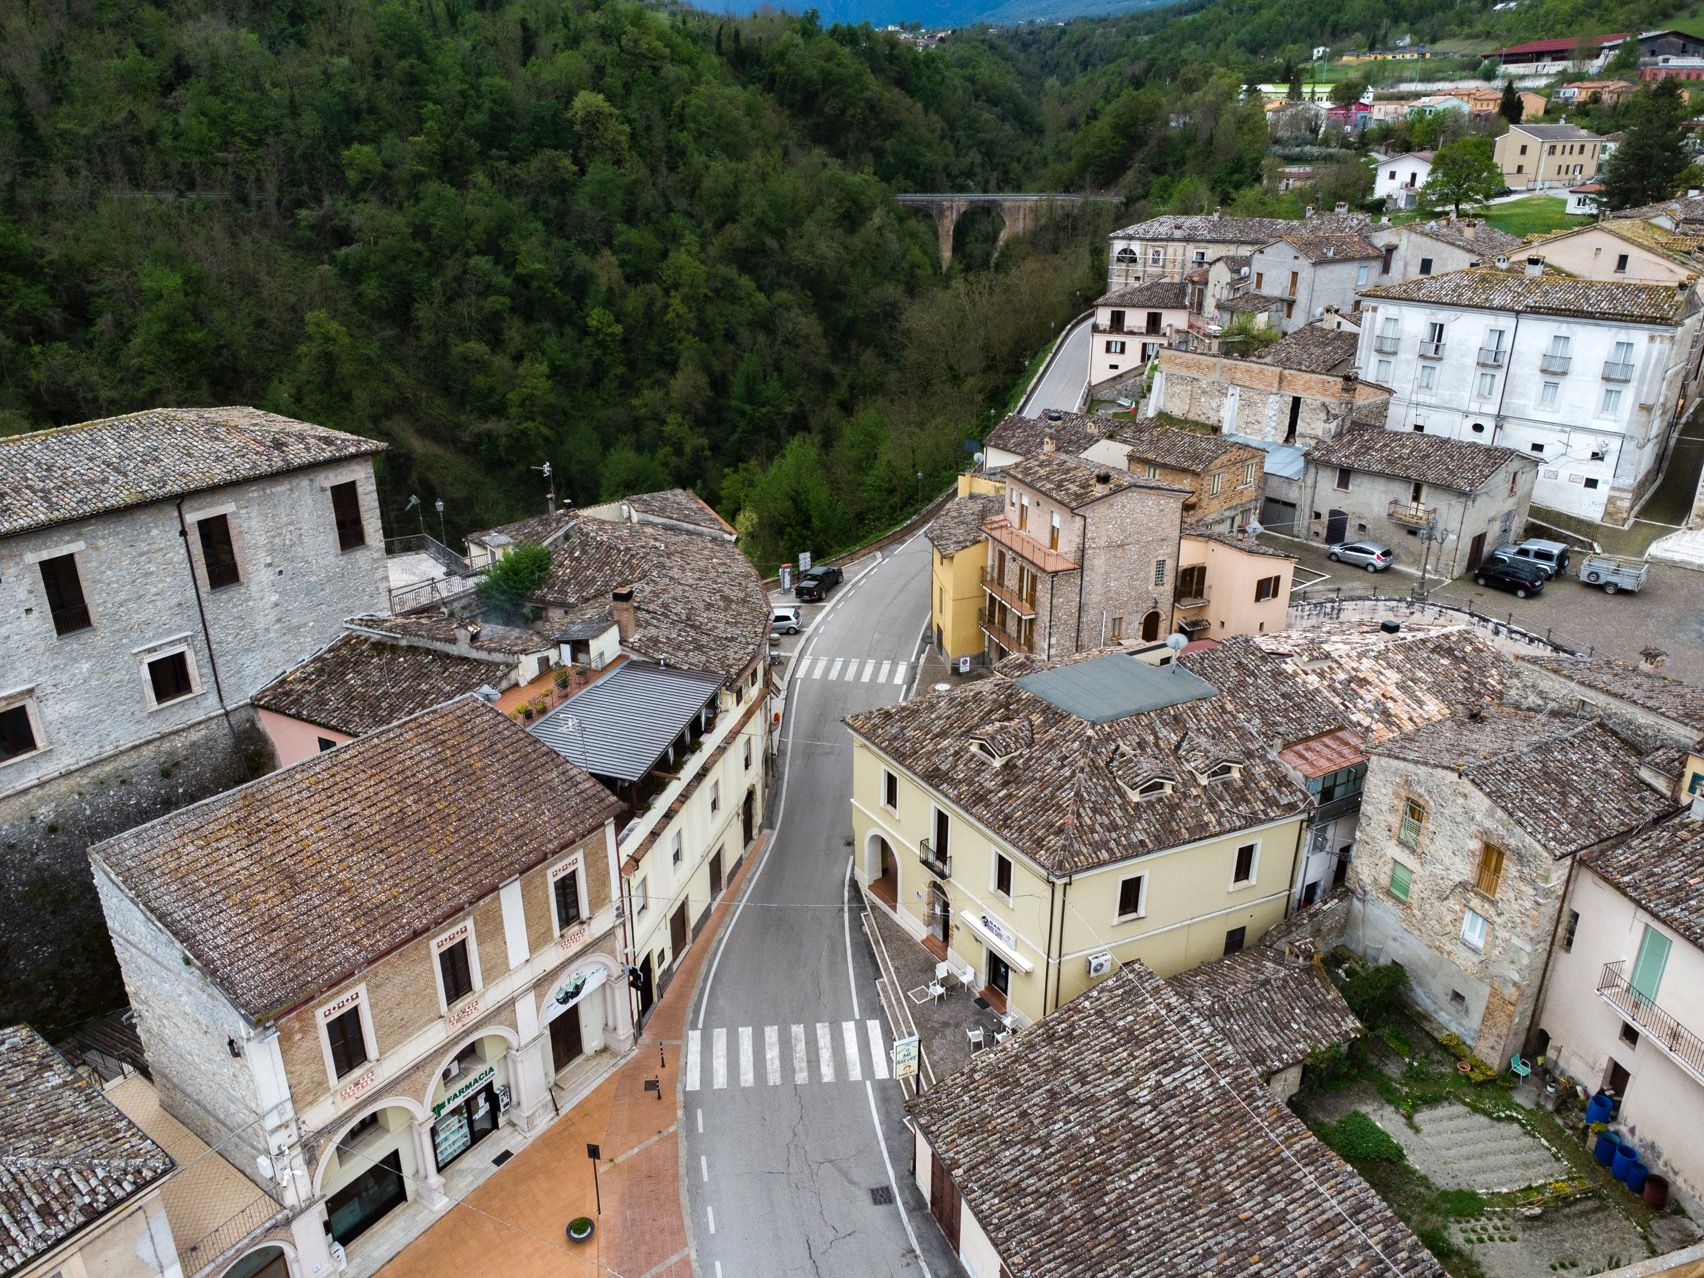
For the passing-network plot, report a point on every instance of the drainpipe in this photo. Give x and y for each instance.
(1059, 969)
(1503, 390)
(1047, 954)
(1550, 950)
(1296, 859)
(207, 639)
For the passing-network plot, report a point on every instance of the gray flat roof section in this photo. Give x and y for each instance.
(621, 725)
(1102, 689)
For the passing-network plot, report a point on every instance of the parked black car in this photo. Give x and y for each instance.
(815, 584)
(1522, 578)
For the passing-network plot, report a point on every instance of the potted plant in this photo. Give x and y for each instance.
(527, 711)
(580, 1228)
(561, 679)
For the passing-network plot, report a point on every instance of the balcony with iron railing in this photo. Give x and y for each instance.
(1010, 640)
(1554, 363)
(1411, 514)
(940, 864)
(1023, 605)
(1330, 809)
(1431, 350)
(1386, 345)
(1028, 548)
(1672, 1038)
(1616, 371)
(1493, 356)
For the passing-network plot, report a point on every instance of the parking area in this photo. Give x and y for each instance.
(1667, 614)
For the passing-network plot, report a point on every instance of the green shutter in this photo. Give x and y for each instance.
(1400, 878)
(1648, 967)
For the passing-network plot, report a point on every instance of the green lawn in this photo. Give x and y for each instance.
(1530, 215)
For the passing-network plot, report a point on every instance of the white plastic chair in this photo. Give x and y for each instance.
(974, 1034)
(937, 991)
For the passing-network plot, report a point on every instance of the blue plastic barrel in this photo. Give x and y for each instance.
(1636, 1176)
(1626, 1158)
(1599, 1108)
(1604, 1151)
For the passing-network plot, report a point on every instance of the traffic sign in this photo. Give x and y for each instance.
(905, 1057)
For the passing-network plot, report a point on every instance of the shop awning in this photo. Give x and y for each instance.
(1005, 948)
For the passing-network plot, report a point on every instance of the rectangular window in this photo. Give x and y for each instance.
(566, 893)
(1413, 817)
(1234, 939)
(1487, 385)
(1003, 876)
(1611, 402)
(745, 754)
(890, 789)
(1621, 264)
(1248, 475)
(1428, 376)
(1547, 394)
(1053, 532)
(1266, 588)
(1153, 471)
(1115, 630)
(676, 851)
(169, 677)
(1215, 483)
(1244, 872)
(1132, 897)
(1159, 572)
(1536, 448)
(1343, 479)
(346, 509)
(348, 1042)
(17, 732)
(1425, 266)
(1648, 966)
(715, 797)
(1474, 925)
(456, 971)
(943, 835)
(1381, 372)
(218, 552)
(1490, 875)
(1569, 930)
(65, 602)
(641, 896)
(1361, 274)
(1401, 880)
(1115, 348)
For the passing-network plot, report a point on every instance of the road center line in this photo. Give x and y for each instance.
(704, 1169)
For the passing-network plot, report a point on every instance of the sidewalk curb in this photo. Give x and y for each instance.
(1052, 358)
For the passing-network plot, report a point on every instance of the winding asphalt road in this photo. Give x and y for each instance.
(796, 1156)
(1067, 377)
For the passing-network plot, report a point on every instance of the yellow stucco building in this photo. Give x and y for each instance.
(958, 553)
(1036, 830)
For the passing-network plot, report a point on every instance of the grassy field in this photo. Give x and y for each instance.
(1530, 215)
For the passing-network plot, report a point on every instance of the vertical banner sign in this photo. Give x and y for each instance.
(905, 1057)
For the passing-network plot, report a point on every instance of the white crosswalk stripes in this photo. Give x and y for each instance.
(851, 1049)
(853, 670)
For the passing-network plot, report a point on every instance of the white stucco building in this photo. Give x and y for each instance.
(1398, 179)
(1588, 377)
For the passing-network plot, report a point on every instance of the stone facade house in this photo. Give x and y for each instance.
(1120, 1081)
(351, 972)
(1587, 376)
(1224, 477)
(1445, 502)
(1083, 555)
(1664, 716)
(1311, 272)
(1442, 244)
(1172, 245)
(80, 1184)
(1535, 156)
(1468, 830)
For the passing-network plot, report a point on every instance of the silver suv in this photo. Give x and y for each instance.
(1549, 556)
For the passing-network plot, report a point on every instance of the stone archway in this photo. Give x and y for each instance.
(461, 1045)
(270, 1260)
(417, 1113)
(1151, 626)
(881, 870)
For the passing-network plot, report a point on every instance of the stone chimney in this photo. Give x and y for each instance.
(1652, 660)
(1049, 445)
(1308, 212)
(1535, 265)
(466, 633)
(1468, 226)
(1500, 262)
(621, 608)
(1342, 206)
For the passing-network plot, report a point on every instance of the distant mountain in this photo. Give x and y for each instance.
(947, 13)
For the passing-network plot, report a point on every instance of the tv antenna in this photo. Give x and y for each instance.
(550, 493)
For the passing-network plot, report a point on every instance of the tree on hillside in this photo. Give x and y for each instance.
(1295, 91)
(1463, 172)
(1510, 106)
(1651, 160)
(1346, 91)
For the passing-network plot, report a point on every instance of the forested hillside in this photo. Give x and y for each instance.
(649, 247)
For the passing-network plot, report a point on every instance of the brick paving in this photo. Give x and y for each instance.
(513, 1223)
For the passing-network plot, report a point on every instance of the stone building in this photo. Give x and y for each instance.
(348, 974)
(156, 570)
(1313, 272)
(1665, 716)
(1442, 244)
(1447, 503)
(80, 1184)
(1083, 555)
(1588, 376)
(1536, 156)
(1170, 246)
(1224, 477)
(1467, 830)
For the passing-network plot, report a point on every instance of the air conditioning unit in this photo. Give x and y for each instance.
(451, 1070)
(1100, 964)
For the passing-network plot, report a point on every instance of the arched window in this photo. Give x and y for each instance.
(1151, 626)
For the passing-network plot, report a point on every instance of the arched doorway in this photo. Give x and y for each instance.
(940, 920)
(267, 1262)
(581, 1010)
(367, 1173)
(472, 1092)
(881, 871)
(1151, 626)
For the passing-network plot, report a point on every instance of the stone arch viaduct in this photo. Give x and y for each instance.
(1020, 211)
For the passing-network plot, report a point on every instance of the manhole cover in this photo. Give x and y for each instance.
(882, 1196)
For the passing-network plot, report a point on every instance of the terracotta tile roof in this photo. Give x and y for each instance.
(1062, 799)
(450, 632)
(1073, 482)
(1457, 464)
(1326, 248)
(1662, 871)
(1312, 350)
(1214, 228)
(1246, 544)
(1158, 293)
(357, 683)
(1123, 1136)
(1151, 440)
(540, 529)
(1073, 432)
(72, 472)
(1685, 247)
(1569, 783)
(1322, 755)
(1277, 704)
(698, 601)
(361, 849)
(1471, 234)
(1250, 303)
(1671, 699)
(1555, 132)
(677, 505)
(70, 1157)
(1516, 291)
(1682, 210)
(959, 525)
(1272, 1008)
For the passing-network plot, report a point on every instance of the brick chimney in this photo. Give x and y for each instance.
(621, 608)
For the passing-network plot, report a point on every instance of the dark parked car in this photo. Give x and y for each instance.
(815, 584)
(1522, 578)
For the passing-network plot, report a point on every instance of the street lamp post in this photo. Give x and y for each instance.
(442, 535)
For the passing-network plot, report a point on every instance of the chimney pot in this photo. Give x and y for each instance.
(621, 609)
(1502, 262)
(1049, 445)
(1342, 206)
(1535, 266)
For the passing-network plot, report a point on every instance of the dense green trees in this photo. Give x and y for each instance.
(1652, 159)
(1463, 172)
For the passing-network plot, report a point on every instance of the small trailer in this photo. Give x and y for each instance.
(1614, 573)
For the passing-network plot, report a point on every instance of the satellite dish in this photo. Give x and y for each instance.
(1254, 528)
(1177, 643)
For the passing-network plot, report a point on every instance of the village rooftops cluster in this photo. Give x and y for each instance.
(1025, 436)
(1472, 234)
(360, 850)
(358, 683)
(1662, 871)
(1216, 228)
(672, 506)
(452, 634)
(1161, 294)
(959, 525)
(1151, 440)
(1325, 248)
(537, 529)
(1456, 464)
(1311, 349)
(1546, 294)
(1074, 483)
(1127, 1100)
(56, 476)
(1088, 762)
(70, 1156)
(1671, 699)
